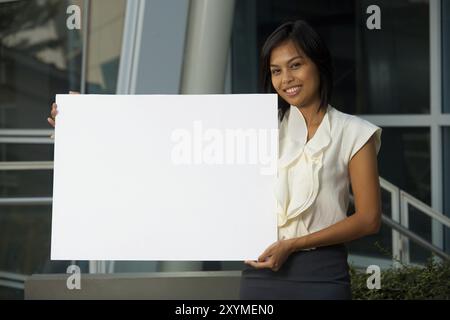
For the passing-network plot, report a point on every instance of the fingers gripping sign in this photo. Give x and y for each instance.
(274, 256)
(53, 112)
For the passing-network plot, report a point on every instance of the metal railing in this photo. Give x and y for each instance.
(12, 280)
(414, 237)
(26, 165)
(400, 203)
(26, 136)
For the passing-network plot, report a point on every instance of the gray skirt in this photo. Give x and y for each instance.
(318, 274)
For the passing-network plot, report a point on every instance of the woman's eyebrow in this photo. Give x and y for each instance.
(299, 56)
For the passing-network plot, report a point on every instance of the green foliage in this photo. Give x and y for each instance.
(407, 282)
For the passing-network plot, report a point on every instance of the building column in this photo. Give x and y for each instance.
(207, 43)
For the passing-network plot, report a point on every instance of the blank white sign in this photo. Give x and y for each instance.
(154, 177)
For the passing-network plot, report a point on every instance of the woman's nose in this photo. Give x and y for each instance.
(287, 77)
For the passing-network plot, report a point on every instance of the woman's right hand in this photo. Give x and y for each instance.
(54, 112)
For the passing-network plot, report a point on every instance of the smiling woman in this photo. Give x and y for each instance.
(321, 152)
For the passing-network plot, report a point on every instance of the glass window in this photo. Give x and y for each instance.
(26, 151)
(11, 293)
(25, 239)
(26, 183)
(420, 224)
(39, 57)
(376, 71)
(379, 245)
(104, 45)
(404, 160)
(393, 63)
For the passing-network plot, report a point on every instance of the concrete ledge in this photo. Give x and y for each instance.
(209, 285)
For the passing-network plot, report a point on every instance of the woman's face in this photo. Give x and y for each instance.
(294, 76)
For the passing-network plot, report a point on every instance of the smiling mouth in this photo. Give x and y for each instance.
(292, 91)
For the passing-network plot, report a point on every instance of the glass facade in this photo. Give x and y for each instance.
(375, 72)
(392, 64)
(25, 245)
(104, 45)
(40, 57)
(404, 160)
(26, 183)
(379, 245)
(26, 152)
(420, 224)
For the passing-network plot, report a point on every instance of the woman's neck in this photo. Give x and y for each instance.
(312, 113)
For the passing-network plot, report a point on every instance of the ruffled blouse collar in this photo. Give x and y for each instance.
(294, 134)
(299, 164)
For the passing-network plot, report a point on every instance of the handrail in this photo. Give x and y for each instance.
(27, 140)
(411, 235)
(400, 202)
(397, 238)
(25, 165)
(12, 280)
(25, 201)
(26, 132)
(414, 237)
(26, 136)
(426, 209)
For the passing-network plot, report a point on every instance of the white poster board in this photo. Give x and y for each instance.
(164, 177)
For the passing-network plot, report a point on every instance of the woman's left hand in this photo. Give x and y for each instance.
(274, 256)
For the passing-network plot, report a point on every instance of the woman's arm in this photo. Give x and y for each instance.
(366, 191)
(365, 221)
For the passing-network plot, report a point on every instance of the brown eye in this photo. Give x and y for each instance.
(296, 65)
(275, 72)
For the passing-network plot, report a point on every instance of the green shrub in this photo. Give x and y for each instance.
(431, 281)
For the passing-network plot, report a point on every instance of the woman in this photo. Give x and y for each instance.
(321, 152)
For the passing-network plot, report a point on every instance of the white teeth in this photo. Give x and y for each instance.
(292, 90)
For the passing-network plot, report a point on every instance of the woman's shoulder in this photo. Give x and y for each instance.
(348, 122)
(342, 117)
(355, 131)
